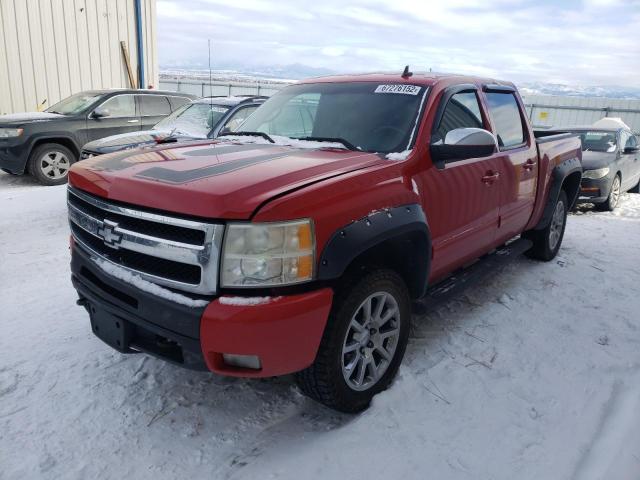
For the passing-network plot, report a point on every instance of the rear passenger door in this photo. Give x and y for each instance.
(462, 197)
(518, 160)
(153, 108)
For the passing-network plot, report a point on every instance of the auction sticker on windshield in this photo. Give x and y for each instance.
(396, 88)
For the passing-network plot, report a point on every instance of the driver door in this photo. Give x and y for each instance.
(461, 199)
(122, 117)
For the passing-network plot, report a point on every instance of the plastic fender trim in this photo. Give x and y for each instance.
(558, 176)
(355, 239)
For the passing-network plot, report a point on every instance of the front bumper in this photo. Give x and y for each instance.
(284, 332)
(595, 191)
(13, 155)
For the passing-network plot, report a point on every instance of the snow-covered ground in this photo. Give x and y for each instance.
(535, 374)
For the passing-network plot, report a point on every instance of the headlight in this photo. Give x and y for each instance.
(268, 254)
(10, 132)
(595, 174)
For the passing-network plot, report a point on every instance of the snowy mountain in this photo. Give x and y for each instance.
(609, 91)
(290, 73)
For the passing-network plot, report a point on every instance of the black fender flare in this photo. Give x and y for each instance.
(558, 176)
(398, 227)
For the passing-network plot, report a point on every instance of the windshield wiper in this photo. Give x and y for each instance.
(248, 134)
(172, 137)
(346, 143)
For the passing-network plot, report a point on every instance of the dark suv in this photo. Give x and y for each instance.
(203, 118)
(45, 144)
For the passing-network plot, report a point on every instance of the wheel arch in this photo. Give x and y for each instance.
(397, 238)
(67, 142)
(567, 177)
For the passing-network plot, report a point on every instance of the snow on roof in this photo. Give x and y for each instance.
(611, 122)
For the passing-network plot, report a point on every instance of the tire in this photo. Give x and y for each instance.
(546, 242)
(49, 163)
(614, 196)
(346, 350)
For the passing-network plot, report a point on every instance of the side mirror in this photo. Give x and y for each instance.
(100, 113)
(633, 149)
(463, 143)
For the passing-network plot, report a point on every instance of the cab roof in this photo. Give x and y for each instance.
(417, 78)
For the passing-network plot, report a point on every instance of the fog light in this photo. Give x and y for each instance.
(242, 361)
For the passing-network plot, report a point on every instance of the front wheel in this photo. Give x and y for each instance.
(546, 242)
(49, 163)
(614, 196)
(363, 343)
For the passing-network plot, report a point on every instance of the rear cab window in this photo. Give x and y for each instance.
(505, 114)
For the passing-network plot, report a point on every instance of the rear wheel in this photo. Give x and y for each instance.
(363, 343)
(49, 163)
(614, 196)
(546, 242)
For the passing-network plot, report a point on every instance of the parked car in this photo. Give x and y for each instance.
(45, 144)
(203, 118)
(610, 159)
(265, 255)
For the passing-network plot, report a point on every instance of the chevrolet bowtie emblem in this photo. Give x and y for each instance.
(109, 236)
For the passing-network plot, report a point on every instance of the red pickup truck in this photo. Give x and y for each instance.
(297, 244)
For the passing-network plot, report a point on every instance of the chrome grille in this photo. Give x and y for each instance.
(170, 251)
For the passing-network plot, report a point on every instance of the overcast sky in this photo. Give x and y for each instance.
(579, 42)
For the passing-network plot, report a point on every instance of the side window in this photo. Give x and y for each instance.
(239, 117)
(154, 105)
(624, 137)
(462, 111)
(120, 106)
(633, 141)
(505, 113)
(177, 102)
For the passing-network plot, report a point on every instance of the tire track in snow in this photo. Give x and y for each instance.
(614, 451)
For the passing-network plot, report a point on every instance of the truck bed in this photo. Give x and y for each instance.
(553, 149)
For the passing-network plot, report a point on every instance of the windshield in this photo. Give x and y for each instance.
(193, 119)
(595, 141)
(374, 117)
(74, 104)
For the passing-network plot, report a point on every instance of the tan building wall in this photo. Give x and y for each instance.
(50, 49)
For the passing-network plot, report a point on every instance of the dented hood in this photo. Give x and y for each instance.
(211, 179)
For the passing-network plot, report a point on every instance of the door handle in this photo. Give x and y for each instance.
(133, 121)
(490, 177)
(529, 164)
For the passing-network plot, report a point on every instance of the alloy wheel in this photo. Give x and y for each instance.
(54, 165)
(557, 224)
(371, 340)
(614, 196)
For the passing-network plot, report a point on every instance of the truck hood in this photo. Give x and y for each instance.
(15, 119)
(212, 179)
(595, 160)
(122, 141)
